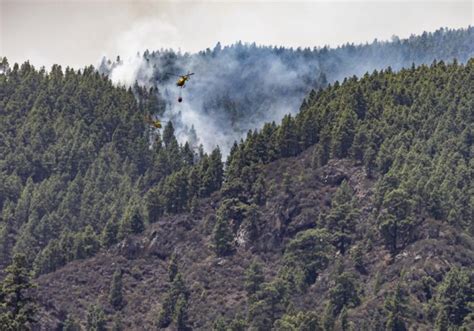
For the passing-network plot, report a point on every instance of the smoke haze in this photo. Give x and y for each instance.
(240, 87)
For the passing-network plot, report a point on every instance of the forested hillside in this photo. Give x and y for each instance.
(77, 158)
(240, 87)
(354, 214)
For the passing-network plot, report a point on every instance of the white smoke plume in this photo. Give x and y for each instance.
(240, 87)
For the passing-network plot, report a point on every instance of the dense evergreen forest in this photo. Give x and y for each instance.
(354, 214)
(77, 160)
(240, 87)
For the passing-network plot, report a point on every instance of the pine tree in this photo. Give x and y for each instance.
(169, 312)
(322, 151)
(269, 304)
(86, 243)
(219, 325)
(358, 258)
(455, 295)
(343, 134)
(396, 223)
(341, 218)
(307, 255)
(442, 321)
(95, 319)
(343, 319)
(258, 191)
(222, 234)
(168, 135)
(109, 234)
(132, 221)
(254, 278)
(17, 307)
(328, 319)
(115, 293)
(222, 238)
(173, 267)
(344, 293)
(395, 307)
(180, 317)
(359, 145)
(154, 205)
(370, 155)
(287, 140)
(7, 240)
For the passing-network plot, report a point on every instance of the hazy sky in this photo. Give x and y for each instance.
(76, 33)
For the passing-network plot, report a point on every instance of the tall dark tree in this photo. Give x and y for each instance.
(17, 306)
(396, 223)
(254, 278)
(344, 293)
(396, 309)
(341, 219)
(454, 298)
(115, 292)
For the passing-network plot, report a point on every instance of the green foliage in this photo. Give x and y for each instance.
(254, 278)
(230, 210)
(17, 307)
(396, 223)
(86, 243)
(75, 152)
(180, 316)
(109, 235)
(173, 267)
(358, 258)
(454, 298)
(268, 305)
(95, 319)
(343, 319)
(343, 134)
(306, 255)
(219, 324)
(396, 309)
(223, 237)
(411, 129)
(328, 317)
(238, 324)
(341, 219)
(298, 322)
(344, 293)
(174, 306)
(405, 127)
(132, 221)
(286, 137)
(115, 292)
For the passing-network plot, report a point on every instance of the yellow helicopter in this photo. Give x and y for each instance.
(182, 79)
(155, 123)
(181, 82)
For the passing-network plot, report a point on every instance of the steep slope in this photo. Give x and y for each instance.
(76, 154)
(216, 284)
(357, 211)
